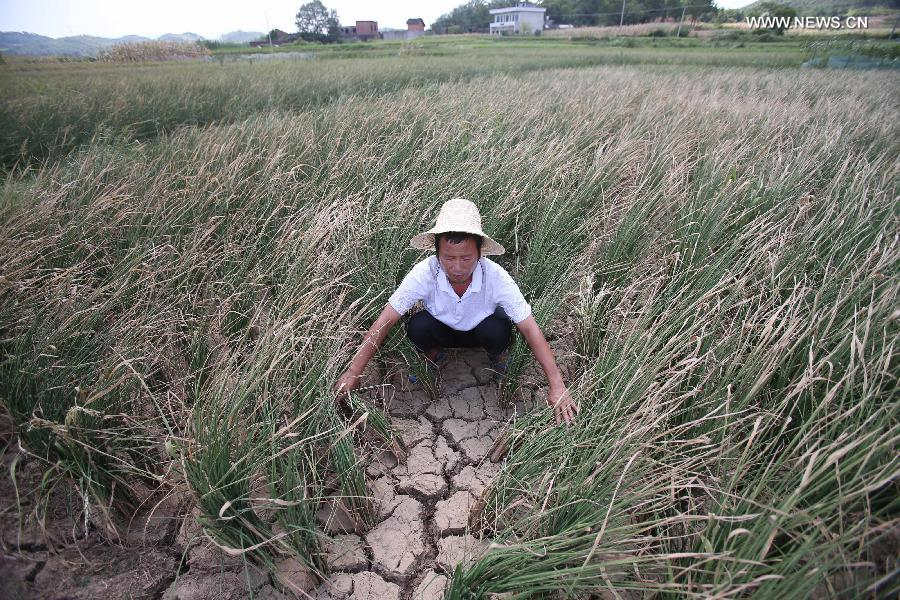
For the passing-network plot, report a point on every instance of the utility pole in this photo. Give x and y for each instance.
(271, 47)
(678, 33)
(622, 17)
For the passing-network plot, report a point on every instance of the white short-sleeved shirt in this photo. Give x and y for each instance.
(491, 286)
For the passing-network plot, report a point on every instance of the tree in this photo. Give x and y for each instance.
(703, 10)
(609, 12)
(729, 15)
(473, 16)
(314, 18)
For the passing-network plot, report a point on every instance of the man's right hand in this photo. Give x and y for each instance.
(349, 381)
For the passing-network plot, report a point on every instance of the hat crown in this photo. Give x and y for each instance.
(458, 212)
(459, 215)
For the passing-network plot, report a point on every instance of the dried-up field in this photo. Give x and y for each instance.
(712, 253)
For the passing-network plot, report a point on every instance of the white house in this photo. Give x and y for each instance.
(524, 17)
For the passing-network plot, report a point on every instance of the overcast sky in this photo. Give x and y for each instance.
(209, 18)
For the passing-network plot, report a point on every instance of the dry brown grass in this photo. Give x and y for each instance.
(640, 30)
(153, 51)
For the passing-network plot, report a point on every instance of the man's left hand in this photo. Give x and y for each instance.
(348, 382)
(564, 408)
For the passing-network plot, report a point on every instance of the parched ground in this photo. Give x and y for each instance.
(424, 503)
(421, 531)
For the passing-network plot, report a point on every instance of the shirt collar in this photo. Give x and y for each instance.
(475, 286)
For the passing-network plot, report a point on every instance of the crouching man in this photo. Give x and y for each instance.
(470, 301)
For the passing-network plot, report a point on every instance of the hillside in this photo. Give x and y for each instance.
(25, 43)
(180, 37)
(22, 42)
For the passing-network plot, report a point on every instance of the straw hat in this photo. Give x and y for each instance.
(459, 215)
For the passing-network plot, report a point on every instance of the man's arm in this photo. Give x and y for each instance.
(564, 408)
(371, 341)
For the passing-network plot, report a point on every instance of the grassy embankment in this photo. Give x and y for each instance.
(713, 252)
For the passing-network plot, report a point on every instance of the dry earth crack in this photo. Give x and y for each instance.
(423, 503)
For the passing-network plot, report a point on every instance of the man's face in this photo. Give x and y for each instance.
(458, 260)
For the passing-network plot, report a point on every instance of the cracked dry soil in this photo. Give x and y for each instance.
(423, 504)
(420, 530)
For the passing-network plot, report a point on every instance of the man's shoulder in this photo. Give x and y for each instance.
(427, 267)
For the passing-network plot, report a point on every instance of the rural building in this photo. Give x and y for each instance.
(362, 31)
(366, 30)
(524, 17)
(414, 28)
(277, 38)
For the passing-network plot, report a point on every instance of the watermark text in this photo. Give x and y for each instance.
(770, 22)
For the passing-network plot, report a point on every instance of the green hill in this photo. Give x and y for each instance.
(25, 43)
(180, 37)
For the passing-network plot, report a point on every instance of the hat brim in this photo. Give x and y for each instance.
(425, 241)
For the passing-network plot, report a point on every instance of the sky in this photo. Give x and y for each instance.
(208, 18)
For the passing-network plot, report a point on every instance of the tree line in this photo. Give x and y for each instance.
(474, 15)
(315, 22)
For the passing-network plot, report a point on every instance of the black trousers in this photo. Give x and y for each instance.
(494, 333)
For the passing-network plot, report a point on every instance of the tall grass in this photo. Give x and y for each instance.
(740, 420)
(46, 113)
(713, 251)
(638, 30)
(152, 50)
